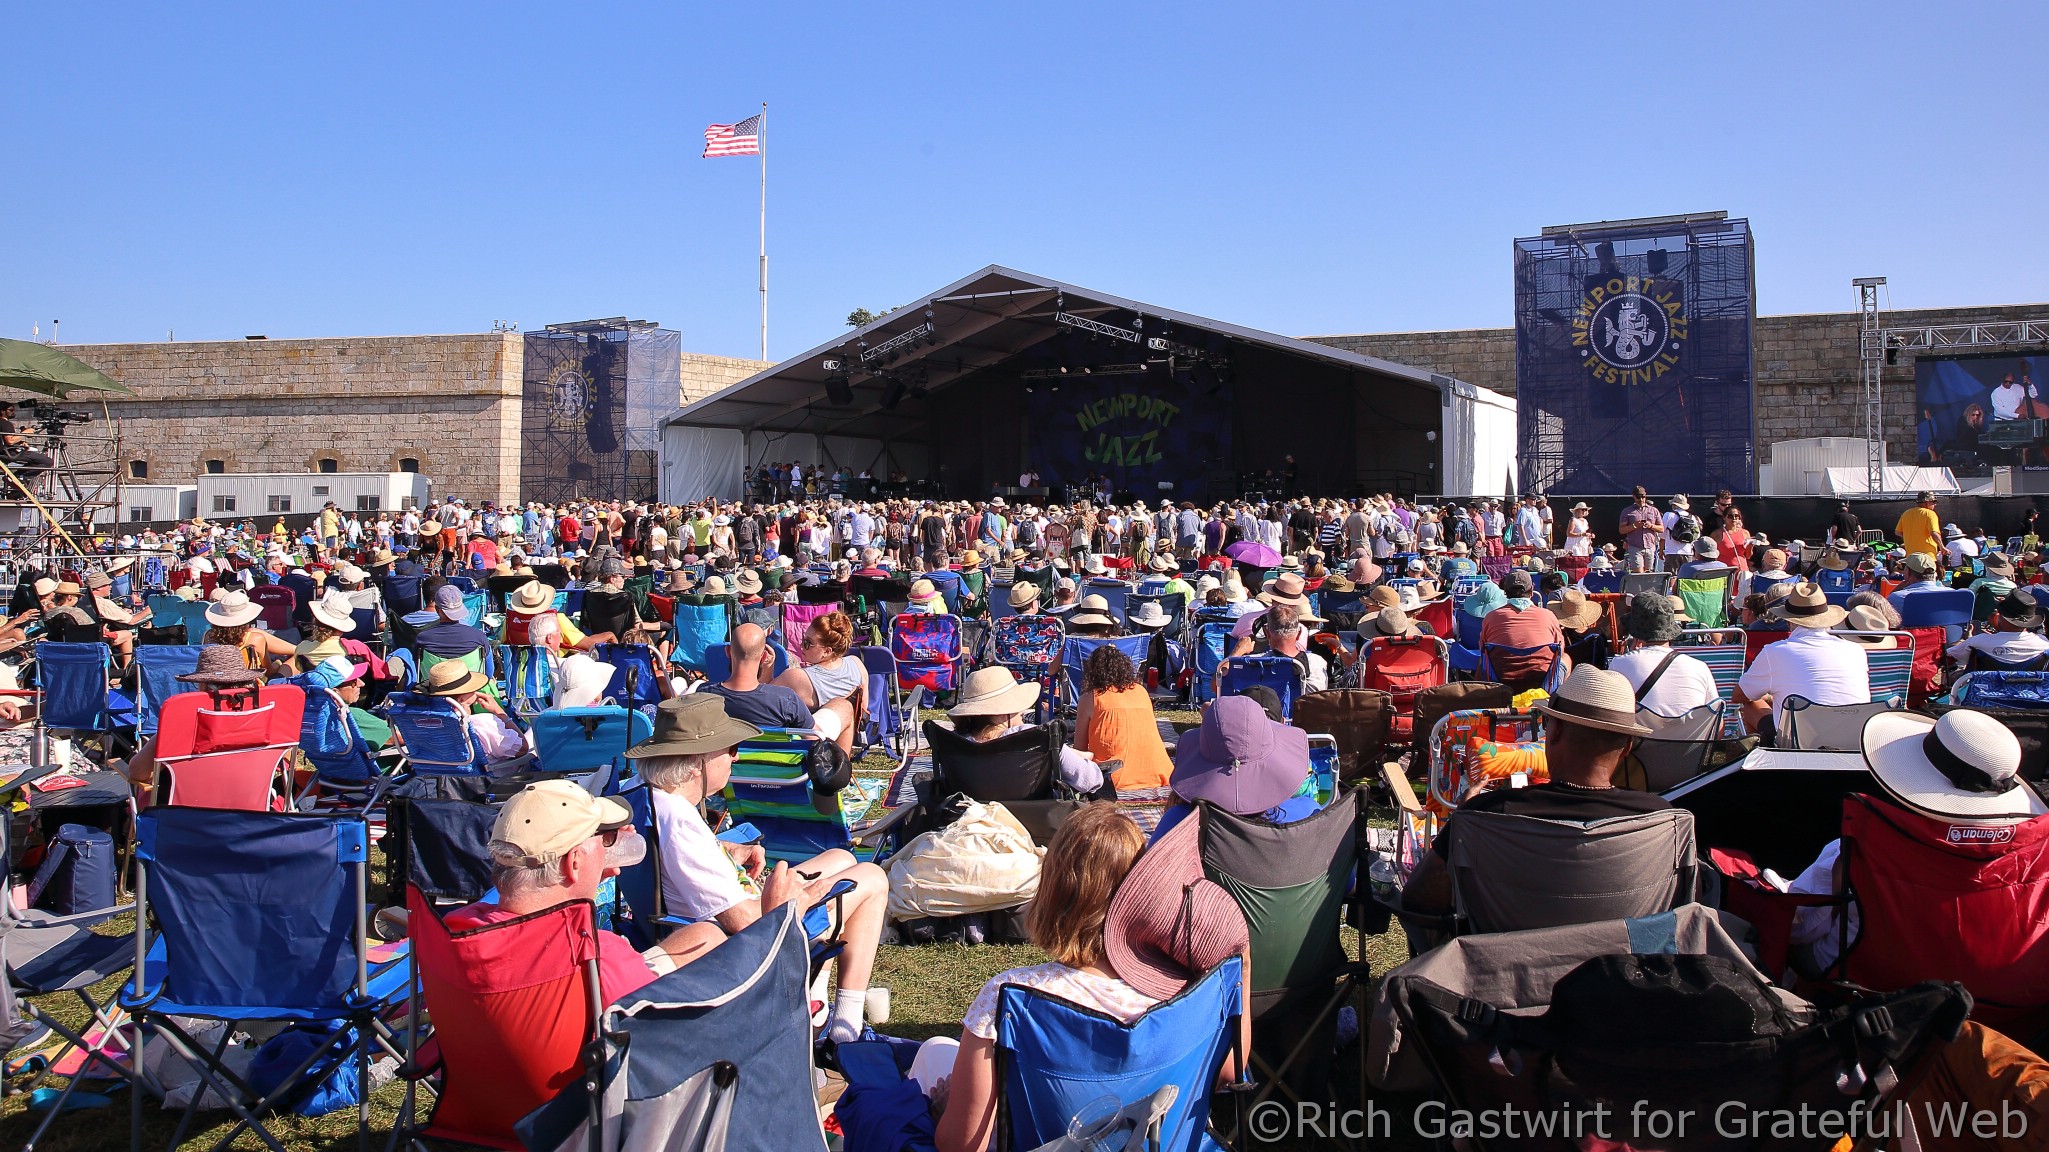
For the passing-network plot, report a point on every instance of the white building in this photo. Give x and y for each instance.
(288, 493)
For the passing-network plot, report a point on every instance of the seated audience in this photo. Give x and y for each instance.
(1114, 721)
(1662, 679)
(690, 758)
(467, 689)
(2016, 636)
(1244, 760)
(1921, 577)
(992, 704)
(747, 697)
(1519, 623)
(830, 681)
(1813, 662)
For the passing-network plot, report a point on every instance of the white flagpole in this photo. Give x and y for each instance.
(761, 147)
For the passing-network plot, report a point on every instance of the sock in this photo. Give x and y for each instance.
(847, 1008)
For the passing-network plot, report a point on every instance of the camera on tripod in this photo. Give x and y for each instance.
(52, 419)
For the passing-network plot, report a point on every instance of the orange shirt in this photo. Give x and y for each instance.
(1122, 727)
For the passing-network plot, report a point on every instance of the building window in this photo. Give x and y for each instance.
(138, 515)
(280, 504)
(366, 503)
(320, 490)
(224, 503)
(329, 465)
(409, 464)
(408, 502)
(216, 467)
(138, 469)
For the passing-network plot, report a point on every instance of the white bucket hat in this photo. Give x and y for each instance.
(994, 692)
(582, 680)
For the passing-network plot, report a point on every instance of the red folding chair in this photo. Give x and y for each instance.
(1438, 614)
(515, 1007)
(1928, 651)
(278, 602)
(1754, 642)
(1402, 666)
(230, 749)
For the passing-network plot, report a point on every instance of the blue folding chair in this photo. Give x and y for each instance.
(700, 625)
(259, 916)
(634, 681)
(1464, 653)
(1279, 673)
(346, 772)
(718, 662)
(463, 584)
(158, 667)
(435, 735)
(890, 722)
(1609, 581)
(1948, 609)
(1114, 591)
(948, 585)
(1836, 581)
(178, 612)
(1055, 1057)
(1553, 676)
(401, 593)
(72, 681)
(571, 741)
(528, 679)
(1075, 650)
(1212, 644)
(404, 669)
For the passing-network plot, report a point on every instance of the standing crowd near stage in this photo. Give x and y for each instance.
(1056, 635)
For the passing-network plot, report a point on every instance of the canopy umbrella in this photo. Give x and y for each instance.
(1253, 554)
(41, 368)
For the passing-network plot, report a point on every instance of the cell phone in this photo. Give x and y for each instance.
(869, 1063)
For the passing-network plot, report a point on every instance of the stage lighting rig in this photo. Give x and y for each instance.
(898, 343)
(1097, 327)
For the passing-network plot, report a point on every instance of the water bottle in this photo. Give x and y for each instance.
(1094, 1127)
(1380, 875)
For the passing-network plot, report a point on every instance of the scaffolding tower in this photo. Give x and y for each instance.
(50, 513)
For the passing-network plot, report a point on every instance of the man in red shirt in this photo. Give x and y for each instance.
(568, 532)
(1520, 623)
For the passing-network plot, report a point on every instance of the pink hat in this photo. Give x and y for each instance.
(1167, 924)
(1239, 760)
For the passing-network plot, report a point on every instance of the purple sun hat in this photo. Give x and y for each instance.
(1239, 760)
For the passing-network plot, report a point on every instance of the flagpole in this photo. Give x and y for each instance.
(762, 148)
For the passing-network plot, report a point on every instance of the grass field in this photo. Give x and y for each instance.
(930, 987)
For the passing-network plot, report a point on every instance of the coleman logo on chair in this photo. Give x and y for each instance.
(1978, 834)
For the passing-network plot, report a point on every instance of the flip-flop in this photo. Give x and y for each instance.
(42, 1099)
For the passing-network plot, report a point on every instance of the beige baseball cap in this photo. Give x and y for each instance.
(543, 821)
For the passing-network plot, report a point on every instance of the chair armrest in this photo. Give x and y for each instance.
(36, 918)
(885, 823)
(741, 834)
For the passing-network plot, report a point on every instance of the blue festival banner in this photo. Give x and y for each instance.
(1633, 360)
(1137, 429)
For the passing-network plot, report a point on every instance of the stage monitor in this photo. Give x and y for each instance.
(1632, 361)
(1972, 413)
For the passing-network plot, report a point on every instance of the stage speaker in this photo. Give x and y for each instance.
(839, 390)
(893, 395)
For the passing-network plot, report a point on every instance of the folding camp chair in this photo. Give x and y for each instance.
(770, 789)
(1075, 651)
(796, 622)
(1807, 726)
(347, 773)
(71, 683)
(1464, 653)
(891, 720)
(1949, 610)
(52, 956)
(713, 1041)
(1636, 584)
(1054, 1057)
(1677, 749)
(1980, 662)
(1513, 873)
(1723, 651)
(158, 667)
(527, 673)
(718, 662)
(948, 585)
(572, 741)
(1279, 673)
(1212, 644)
(230, 749)
(1402, 666)
(178, 612)
(1020, 771)
(401, 593)
(1577, 1023)
(441, 848)
(259, 916)
(440, 751)
(1707, 598)
(1554, 673)
(1891, 670)
(1359, 722)
(515, 1007)
(635, 683)
(1934, 905)
(1995, 690)
(1609, 581)
(1291, 881)
(928, 651)
(278, 603)
(701, 624)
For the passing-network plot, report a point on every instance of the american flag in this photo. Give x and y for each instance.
(742, 139)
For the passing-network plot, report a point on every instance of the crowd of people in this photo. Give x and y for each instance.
(1314, 581)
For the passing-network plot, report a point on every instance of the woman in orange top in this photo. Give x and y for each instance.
(1115, 721)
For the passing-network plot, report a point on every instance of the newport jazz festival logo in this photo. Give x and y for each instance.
(1629, 328)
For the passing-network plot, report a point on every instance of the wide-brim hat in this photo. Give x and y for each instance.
(1024, 592)
(994, 691)
(971, 559)
(1093, 609)
(1168, 923)
(1998, 563)
(923, 591)
(1653, 620)
(1864, 620)
(748, 582)
(335, 611)
(1574, 610)
(1806, 606)
(1963, 765)
(531, 596)
(1149, 615)
(2021, 608)
(1388, 622)
(1582, 506)
(1238, 759)
(692, 725)
(233, 610)
(1595, 698)
(1162, 562)
(581, 681)
(1287, 589)
(1834, 560)
(453, 678)
(714, 586)
(1952, 532)
(221, 664)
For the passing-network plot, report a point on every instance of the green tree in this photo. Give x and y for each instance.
(861, 316)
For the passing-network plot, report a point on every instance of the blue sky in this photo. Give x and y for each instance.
(358, 169)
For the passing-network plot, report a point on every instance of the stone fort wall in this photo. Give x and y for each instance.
(446, 406)
(1805, 364)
